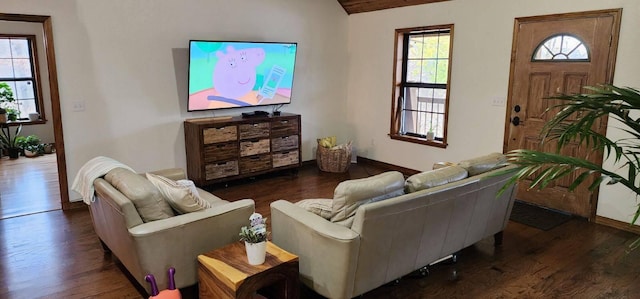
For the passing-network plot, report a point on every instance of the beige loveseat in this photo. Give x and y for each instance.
(154, 246)
(445, 211)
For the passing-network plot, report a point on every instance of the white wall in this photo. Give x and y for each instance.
(480, 73)
(127, 60)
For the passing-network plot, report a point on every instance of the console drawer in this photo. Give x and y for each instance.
(221, 170)
(250, 131)
(254, 147)
(220, 151)
(220, 134)
(284, 127)
(286, 158)
(255, 163)
(284, 143)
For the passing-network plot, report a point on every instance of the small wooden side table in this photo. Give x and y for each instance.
(225, 273)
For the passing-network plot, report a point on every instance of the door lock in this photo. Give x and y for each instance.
(515, 121)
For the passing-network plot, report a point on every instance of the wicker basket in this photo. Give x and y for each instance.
(334, 160)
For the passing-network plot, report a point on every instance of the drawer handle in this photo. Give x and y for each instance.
(254, 158)
(285, 153)
(255, 125)
(286, 137)
(222, 163)
(285, 122)
(221, 128)
(220, 145)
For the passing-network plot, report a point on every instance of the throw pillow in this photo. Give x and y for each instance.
(182, 195)
(483, 164)
(433, 178)
(318, 206)
(147, 199)
(351, 194)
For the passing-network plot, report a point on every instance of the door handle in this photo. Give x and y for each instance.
(515, 121)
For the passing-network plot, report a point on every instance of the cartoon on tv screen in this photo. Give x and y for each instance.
(239, 74)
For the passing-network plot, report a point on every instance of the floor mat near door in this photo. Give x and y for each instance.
(538, 217)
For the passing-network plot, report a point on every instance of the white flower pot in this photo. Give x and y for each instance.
(34, 116)
(430, 136)
(256, 252)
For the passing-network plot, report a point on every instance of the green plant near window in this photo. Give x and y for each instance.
(8, 103)
(621, 104)
(7, 140)
(30, 143)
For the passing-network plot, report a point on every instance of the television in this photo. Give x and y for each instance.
(231, 74)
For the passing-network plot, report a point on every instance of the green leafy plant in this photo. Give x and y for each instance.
(543, 168)
(8, 103)
(256, 232)
(7, 140)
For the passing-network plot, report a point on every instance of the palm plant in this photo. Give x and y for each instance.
(543, 168)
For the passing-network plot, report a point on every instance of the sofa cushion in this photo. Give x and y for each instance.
(318, 206)
(181, 195)
(433, 178)
(483, 164)
(351, 194)
(147, 199)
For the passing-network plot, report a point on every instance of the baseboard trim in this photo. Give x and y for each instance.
(621, 225)
(405, 171)
(373, 163)
(73, 205)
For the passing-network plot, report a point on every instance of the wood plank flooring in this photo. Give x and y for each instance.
(28, 185)
(57, 254)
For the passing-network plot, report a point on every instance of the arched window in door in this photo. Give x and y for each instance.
(561, 47)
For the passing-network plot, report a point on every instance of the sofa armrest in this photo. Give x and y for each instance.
(182, 238)
(327, 251)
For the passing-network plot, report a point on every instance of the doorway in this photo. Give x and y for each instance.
(56, 117)
(551, 55)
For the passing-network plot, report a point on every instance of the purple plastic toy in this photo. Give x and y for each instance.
(170, 293)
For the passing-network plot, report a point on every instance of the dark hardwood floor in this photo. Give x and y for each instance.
(56, 254)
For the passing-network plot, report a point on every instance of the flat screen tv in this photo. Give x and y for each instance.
(229, 74)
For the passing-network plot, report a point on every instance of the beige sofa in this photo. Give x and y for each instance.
(154, 246)
(391, 237)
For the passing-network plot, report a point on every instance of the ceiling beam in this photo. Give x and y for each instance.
(358, 6)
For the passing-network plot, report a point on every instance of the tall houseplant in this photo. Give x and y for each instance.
(621, 104)
(8, 141)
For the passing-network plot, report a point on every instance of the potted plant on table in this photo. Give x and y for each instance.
(8, 105)
(255, 239)
(3, 115)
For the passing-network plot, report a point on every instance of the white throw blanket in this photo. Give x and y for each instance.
(93, 169)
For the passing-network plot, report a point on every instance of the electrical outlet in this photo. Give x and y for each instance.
(78, 106)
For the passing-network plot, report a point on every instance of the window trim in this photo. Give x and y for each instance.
(561, 35)
(399, 71)
(35, 70)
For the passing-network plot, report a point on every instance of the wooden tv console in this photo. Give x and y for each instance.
(223, 150)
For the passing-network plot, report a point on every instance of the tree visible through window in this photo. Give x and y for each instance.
(421, 94)
(18, 69)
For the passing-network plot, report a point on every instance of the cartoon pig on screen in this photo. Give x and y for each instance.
(235, 72)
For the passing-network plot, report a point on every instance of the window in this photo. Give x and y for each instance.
(421, 84)
(19, 70)
(561, 47)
